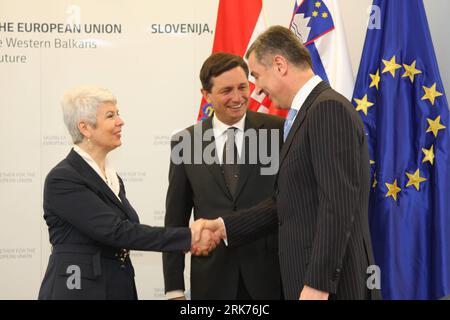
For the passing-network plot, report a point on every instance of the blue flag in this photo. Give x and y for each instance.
(401, 99)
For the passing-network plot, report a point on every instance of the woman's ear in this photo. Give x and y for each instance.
(84, 129)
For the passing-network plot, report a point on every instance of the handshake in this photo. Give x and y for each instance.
(206, 235)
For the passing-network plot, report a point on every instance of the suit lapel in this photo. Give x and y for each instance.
(301, 118)
(92, 178)
(128, 208)
(214, 169)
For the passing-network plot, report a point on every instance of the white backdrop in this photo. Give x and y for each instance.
(152, 67)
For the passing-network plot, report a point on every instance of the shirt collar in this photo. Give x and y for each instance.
(304, 92)
(86, 157)
(111, 176)
(220, 127)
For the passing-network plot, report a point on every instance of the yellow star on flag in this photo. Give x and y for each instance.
(429, 155)
(324, 15)
(318, 4)
(415, 179)
(363, 104)
(431, 93)
(315, 14)
(371, 162)
(411, 71)
(435, 126)
(393, 189)
(390, 66)
(375, 79)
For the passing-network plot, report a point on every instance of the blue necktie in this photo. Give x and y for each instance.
(288, 123)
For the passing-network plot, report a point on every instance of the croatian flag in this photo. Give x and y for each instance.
(239, 22)
(318, 24)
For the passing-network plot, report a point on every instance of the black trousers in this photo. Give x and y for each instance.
(242, 293)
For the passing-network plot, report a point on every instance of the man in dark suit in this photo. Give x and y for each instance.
(252, 270)
(322, 190)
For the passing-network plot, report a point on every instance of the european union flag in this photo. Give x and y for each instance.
(401, 99)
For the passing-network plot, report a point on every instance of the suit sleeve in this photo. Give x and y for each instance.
(179, 205)
(68, 197)
(250, 224)
(335, 152)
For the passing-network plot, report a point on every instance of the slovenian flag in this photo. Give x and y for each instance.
(318, 24)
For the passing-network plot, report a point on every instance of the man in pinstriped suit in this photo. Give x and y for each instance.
(323, 182)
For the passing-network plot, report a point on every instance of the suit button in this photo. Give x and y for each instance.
(234, 208)
(336, 273)
(277, 191)
(280, 223)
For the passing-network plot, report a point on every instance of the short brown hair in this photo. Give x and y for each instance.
(282, 41)
(218, 63)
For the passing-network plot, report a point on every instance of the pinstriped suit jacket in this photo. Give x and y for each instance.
(321, 205)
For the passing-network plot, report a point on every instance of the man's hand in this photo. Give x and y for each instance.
(206, 235)
(309, 293)
(208, 242)
(215, 226)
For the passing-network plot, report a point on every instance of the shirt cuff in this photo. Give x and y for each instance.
(174, 294)
(224, 231)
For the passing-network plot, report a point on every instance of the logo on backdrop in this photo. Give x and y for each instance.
(180, 28)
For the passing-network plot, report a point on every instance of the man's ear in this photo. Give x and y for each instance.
(280, 64)
(206, 94)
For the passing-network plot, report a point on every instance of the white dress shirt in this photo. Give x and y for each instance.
(220, 135)
(303, 93)
(111, 179)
